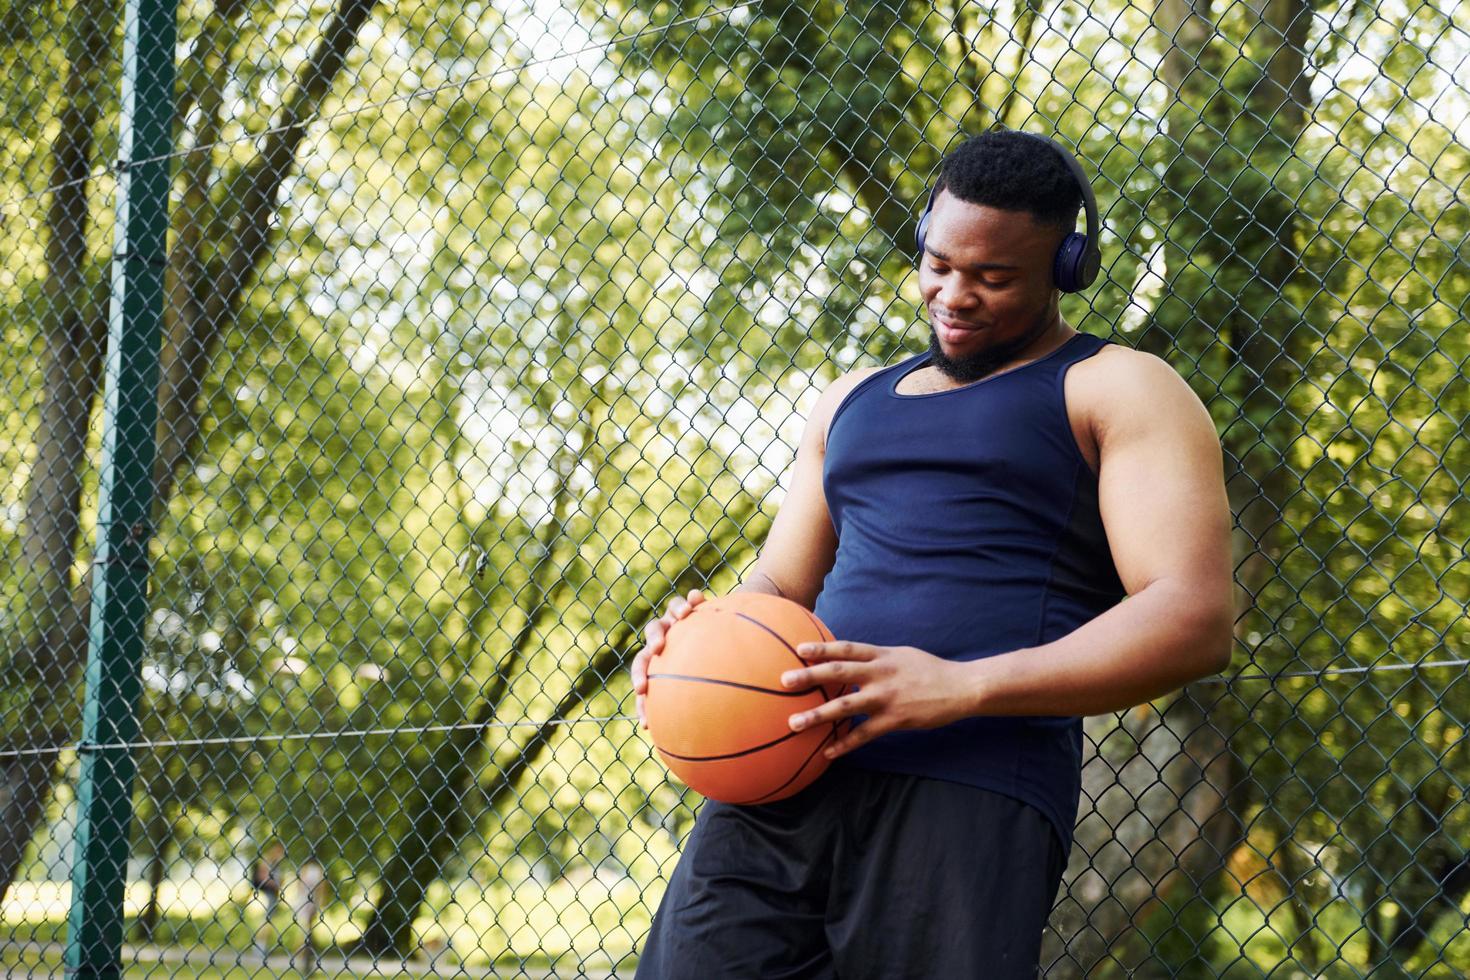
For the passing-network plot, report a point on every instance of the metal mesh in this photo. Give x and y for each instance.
(488, 329)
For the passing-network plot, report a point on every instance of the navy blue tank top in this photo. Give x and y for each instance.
(967, 526)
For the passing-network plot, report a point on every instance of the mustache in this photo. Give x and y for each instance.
(961, 321)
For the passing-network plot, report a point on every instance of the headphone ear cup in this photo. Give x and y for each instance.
(923, 230)
(1068, 269)
(1091, 266)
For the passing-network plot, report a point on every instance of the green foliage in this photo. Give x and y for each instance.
(528, 339)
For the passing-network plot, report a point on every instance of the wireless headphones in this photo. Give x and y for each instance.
(1078, 259)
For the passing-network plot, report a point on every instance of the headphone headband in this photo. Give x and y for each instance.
(1079, 258)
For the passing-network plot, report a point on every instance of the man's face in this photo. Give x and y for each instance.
(986, 279)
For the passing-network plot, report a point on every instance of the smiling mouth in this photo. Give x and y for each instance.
(958, 324)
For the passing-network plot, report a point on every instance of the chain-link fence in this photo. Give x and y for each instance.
(488, 328)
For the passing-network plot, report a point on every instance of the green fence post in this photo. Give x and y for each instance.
(120, 574)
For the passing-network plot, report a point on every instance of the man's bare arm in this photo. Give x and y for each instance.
(1162, 497)
(799, 550)
(758, 581)
(802, 544)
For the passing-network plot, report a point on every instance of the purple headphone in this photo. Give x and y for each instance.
(1078, 259)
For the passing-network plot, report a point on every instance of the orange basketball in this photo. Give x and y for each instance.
(716, 709)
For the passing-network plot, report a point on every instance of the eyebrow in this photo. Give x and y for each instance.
(975, 267)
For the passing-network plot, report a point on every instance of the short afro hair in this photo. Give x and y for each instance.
(1013, 171)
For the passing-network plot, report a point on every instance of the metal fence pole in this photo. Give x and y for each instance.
(119, 583)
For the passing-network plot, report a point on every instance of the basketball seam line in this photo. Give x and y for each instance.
(732, 755)
(821, 630)
(782, 640)
(743, 687)
(799, 769)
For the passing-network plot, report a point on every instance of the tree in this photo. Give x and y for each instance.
(222, 227)
(70, 313)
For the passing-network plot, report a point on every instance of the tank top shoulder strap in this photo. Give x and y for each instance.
(868, 382)
(1078, 348)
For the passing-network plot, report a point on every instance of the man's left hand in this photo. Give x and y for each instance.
(901, 687)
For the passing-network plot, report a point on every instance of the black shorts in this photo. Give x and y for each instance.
(862, 875)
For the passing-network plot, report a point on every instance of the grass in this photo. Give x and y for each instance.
(16, 962)
(583, 926)
(577, 925)
(32, 963)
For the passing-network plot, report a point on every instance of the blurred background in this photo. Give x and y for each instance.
(486, 329)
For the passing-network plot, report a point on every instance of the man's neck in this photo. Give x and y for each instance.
(1050, 334)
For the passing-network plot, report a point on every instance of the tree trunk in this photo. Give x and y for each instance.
(1301, 948)
(1437, 883)
(1026, 17)
(1155, 812)
(710, 560)
(1373, 916)
(160, 837)
(25, 782)
(1156, 818)
(51, 634)
(193, 330)
(198, 317)
(436, 808)
(440, 821)
(1452, 876)
(1207, 786)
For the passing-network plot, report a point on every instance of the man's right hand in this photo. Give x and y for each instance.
(679, 607)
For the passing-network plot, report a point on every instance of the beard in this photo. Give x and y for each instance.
(983, 363)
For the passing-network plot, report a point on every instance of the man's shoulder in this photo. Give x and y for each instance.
(1122, 387)
(851, 379)
(1120, 375)
(834, 394)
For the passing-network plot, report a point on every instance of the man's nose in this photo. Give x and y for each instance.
(953, 296)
